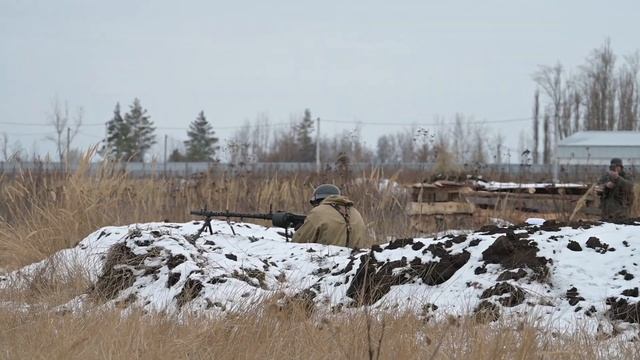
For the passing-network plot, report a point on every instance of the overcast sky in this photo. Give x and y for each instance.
(373, 61)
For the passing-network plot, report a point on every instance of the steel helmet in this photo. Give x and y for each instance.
(323, 191)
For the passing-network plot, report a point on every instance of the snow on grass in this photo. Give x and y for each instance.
(560, 277)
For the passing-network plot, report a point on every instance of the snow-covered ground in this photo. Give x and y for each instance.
(495, 185)
(558, 276)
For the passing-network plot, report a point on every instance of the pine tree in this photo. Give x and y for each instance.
(201, 145)
(306, 146)
(117, 142)
(141, 131)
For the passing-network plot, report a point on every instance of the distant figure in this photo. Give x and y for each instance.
(332, 221)
(617, 192)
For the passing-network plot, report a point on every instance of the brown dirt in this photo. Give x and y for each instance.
(486, 312)
(515, 294)
(117, 273)
(621, 309)
(190, 290)
(374, 279)
(512, 253)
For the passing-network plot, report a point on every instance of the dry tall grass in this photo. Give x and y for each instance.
(273, 335)
(42, 214)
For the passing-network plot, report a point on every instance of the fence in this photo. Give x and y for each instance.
(572, 172)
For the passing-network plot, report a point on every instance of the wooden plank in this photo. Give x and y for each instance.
(527, 202)
(439, 208)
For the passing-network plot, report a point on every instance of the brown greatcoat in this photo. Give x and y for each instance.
(616, 202)
(325, 224)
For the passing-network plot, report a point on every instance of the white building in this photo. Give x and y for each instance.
(598, 147)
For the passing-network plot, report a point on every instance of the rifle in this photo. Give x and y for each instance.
(280, 219)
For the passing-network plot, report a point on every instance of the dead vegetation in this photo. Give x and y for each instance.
(40, 214)
(288, 333)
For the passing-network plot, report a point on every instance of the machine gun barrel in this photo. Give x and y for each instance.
(280, 219)
(229, 214)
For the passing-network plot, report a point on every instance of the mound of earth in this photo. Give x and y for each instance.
(532, 271)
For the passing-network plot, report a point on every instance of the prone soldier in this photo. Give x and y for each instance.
(333, 221)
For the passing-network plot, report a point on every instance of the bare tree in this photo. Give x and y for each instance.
(499, 148)
(546, 147)
(260, 136)
(422, 138)
(599, 88)
(65, 128)
(577, 101)
(628, 93)
(386, 149)
(479, 148)
(239, 146)
(536, 125)
(405, 145)
(566, 127)
(549, 78)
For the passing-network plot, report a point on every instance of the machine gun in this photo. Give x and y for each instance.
(280, 219)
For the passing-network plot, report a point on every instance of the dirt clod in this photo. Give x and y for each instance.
(190, 290)
(173, 279)
(512, 275)
(514, 253)
(117, 273)
(374, 279)
(621, 309)
(480, 270)
(399, 243)
(595, 244)
(574, 296)
(516, 295)
(574, 246)
(176, 260)
(486, 312)
(627, 275)
(631, 292)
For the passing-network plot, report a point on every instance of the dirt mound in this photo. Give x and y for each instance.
(374, 279)
(117, 272)
(513, 252)
(499, 272)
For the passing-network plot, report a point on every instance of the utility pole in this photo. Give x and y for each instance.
(556, 165)
(164, 170)
(318, 146)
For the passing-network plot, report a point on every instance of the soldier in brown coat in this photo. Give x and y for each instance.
(617, 192)
(333, 221)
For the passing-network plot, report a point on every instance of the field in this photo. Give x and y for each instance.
(41, 214)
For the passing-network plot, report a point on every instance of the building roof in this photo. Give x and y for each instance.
(602, 138)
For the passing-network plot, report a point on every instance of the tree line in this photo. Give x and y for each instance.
(130, 136)
(601, 94)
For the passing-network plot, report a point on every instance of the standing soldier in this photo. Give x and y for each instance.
(617, 192)
(332, 221)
